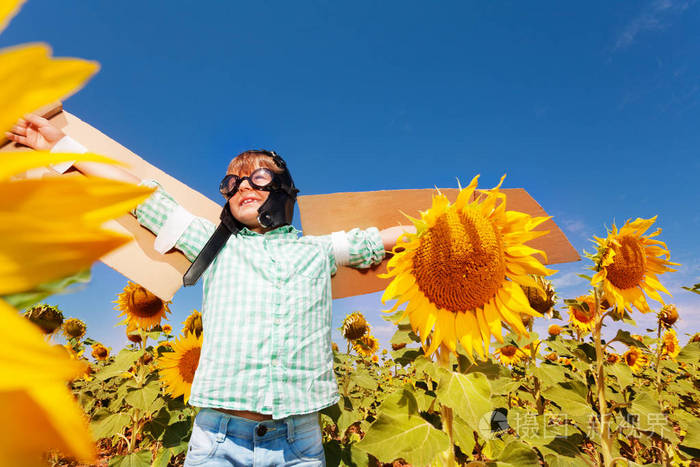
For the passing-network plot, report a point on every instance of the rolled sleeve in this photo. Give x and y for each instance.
(365, 247)
(173, 226)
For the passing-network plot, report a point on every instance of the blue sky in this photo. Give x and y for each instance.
(591, 107)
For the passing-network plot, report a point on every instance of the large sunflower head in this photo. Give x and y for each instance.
(193, 324)
(366, 345)
(100, 352)
(669, 344)
(627, 264)
(510, 355)
(177, 368)
(461, 272)
(635, 359)
(354, 326)
(73, 328)
(140, 306)
(47, 317)
(582, 315)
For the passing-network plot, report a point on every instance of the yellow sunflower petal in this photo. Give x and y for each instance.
(8, 9)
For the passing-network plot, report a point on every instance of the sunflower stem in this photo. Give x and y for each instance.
(658, 358)
(605, 438)
(443, 359)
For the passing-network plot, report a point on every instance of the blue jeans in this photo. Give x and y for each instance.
(219, 439)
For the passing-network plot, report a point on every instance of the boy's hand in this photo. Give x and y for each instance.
(36, 132)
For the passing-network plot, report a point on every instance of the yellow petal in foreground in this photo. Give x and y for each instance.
(460, 271)
(8, 9)
(39, 413)
(31, 78)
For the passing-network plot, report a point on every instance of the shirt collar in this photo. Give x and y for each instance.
(282, 231)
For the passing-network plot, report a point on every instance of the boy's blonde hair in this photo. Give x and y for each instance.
(246, 162)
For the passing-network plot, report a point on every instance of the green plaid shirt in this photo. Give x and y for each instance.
(266, 312)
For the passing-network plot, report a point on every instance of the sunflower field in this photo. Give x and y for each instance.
(467, 381)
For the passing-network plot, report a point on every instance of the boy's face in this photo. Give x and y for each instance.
(245, 203)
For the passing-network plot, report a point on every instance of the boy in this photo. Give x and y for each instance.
(266, 365)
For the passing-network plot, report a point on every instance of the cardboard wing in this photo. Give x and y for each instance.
(323, 214)
(320, 214)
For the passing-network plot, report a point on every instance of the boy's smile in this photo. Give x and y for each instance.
(244, 206)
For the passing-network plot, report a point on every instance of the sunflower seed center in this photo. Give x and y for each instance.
(629, 263)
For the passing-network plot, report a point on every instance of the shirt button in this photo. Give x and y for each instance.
(278, 321)
(262, 429)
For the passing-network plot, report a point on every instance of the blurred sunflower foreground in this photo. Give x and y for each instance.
(50, 228)
(460, 273)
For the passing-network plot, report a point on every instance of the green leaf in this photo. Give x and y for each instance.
(649, 416)
(691, 443)
(143, 398)
(157, 425)
(518, 454)
(404, 335)
(162, 458)
(488, 368)
(427, 366)
(570, 396)
(626, 338)
(400, 432)
(135, 459)
(364, 380)
(110, 425)
(124, 360)
(585, 352)
(463, 435)
(690, 353)
(468, 395)
(549, 375)
(176, 433)
(622, 373)
(406, 356)
(26, 299)
(344, 455)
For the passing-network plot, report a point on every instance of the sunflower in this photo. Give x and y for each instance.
(141, 306)
(552, 357)
(635, 359)
(669, 344)
(193, 324)
(167, 329)
(366, 345)
(177, 368)
(73, 328)
(543, 297)
(133, 333)
(613, 358)
(582, 316)
(47, 317)
(565, 361)
(510, 355)
(627, 264)
(554, 330)
(100, 352)
(461, 272)
(354, 326)
(668, 316)
(375, 358)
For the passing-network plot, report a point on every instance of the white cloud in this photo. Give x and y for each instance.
(655, 16)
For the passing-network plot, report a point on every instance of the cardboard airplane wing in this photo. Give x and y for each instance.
(320, 214)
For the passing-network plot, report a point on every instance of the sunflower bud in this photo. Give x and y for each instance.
(146, 358)
(73, 328)
(100, 352)
(334, 346)
(668, 316)
(541, 299)
(613, 358)
(554, 330)
(193, 324)
(526, 319)
(552, 357)
(47, 317)
(696, 337)
(354, 326)
(133, 333)
(398, 346)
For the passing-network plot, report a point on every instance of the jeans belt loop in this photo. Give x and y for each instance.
(223, 428)
(290, 429)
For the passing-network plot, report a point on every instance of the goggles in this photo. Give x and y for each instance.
(261, 179)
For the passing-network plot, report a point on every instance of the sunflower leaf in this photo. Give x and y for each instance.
(110, 425)
(517, 453)
(626, 338)
(690, 353)
(468, 395)
(122, 362)
(135, 459)
(143, 398)
(400, 432)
